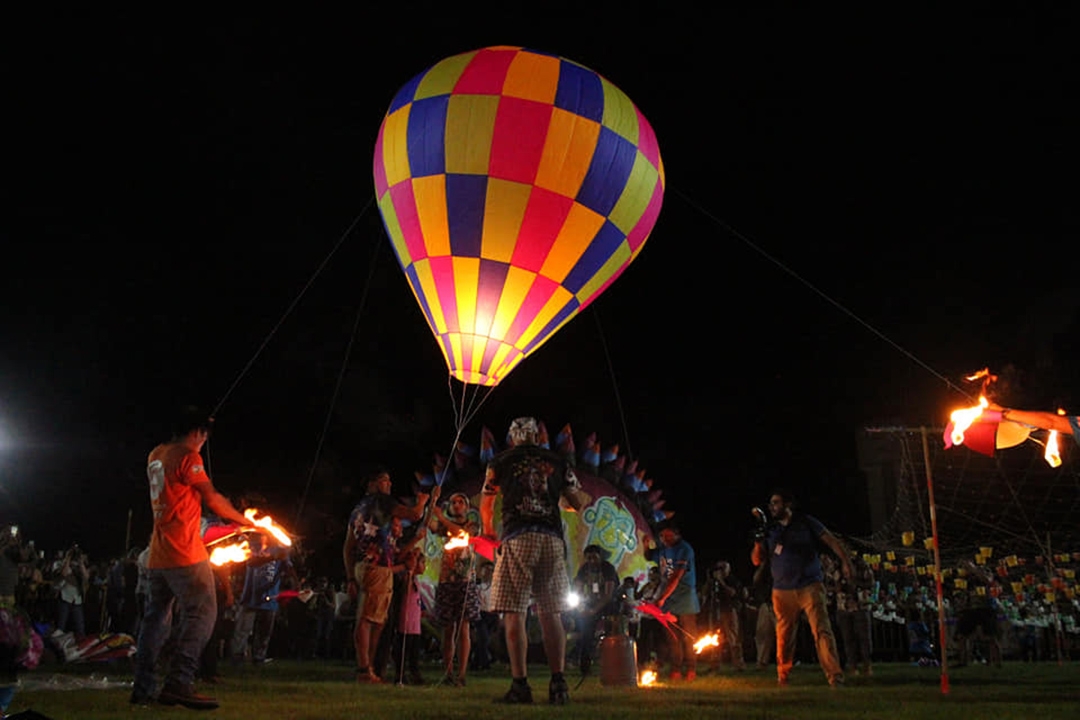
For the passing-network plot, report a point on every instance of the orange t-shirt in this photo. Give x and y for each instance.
(173, 470)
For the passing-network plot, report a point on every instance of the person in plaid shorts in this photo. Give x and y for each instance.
(530, 563)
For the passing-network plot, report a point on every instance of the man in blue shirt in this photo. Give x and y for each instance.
(790, 546)
(678, 596)
(259, 600)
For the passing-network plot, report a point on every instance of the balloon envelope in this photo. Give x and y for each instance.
(515, 186)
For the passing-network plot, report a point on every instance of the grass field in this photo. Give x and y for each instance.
(286, 690)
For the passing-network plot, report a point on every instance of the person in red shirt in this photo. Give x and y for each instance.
(180, 576)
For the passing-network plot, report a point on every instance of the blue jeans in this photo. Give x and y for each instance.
(7, 694)
(69, 616)
(190, 592)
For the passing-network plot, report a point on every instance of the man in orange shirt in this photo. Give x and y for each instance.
(179, 567)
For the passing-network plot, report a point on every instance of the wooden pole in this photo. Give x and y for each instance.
(1054, 614)
(937, 566)
(127, 535)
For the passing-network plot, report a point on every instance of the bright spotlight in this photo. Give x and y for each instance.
(573, 599)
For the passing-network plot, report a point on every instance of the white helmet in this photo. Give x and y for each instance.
(524, 431)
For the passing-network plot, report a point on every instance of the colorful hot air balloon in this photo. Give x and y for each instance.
(515, 186)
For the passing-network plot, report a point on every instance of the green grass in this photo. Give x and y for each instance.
(286, 690)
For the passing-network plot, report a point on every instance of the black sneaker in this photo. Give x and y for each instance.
(185, 695)
(518, 694)
(558, 691)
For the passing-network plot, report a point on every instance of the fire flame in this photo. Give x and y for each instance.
(460, 541)
(1053, 452)
(231, 553)
(267, 523)
(962, 419)
(712, 640)
(647, 678)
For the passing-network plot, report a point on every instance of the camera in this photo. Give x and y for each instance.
(762, 520)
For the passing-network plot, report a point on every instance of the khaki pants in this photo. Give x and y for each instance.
(787, 604)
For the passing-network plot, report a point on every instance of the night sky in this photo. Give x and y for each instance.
(859, 211)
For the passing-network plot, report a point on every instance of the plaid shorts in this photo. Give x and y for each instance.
(530, 564)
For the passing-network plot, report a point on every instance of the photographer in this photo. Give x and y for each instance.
(721, 602)
(74, 577)
(790, 546)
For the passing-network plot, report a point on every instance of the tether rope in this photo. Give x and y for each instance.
(614, 382)
(292, 306)
(821, 293)
(340, 380)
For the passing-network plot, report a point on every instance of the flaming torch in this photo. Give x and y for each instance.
(232, 553)
(706, 641)
(982, 429)
(461, 540)
(1052, 455)
(267, 523)
(961, 419)
(228, 544)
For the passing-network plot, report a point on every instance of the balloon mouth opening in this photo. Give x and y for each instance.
(475, 378)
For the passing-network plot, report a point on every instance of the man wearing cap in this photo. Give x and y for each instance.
(530, 564)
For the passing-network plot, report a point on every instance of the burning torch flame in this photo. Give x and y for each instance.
(460, 541)
(1053, 452)
(232, 553)
(647, 678)
(267, 523)
(706, 641)
(962, 419)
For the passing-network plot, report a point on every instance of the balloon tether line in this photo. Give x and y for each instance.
(292, 306)
(820, 293)
(614, 382)
(340, 380)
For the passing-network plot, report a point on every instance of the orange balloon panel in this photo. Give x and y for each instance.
(515, 187)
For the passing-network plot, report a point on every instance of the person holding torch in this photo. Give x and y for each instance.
(180, 577)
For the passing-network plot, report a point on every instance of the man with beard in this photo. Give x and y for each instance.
(790, 546)
(531, 560)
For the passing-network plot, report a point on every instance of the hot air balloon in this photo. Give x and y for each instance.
(515, 187)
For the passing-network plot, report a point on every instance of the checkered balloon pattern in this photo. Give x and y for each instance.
(515, 186)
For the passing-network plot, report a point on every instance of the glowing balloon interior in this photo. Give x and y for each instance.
(515, 187)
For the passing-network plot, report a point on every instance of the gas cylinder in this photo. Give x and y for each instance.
(618, 660)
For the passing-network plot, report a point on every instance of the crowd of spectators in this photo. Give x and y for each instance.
(66, 591)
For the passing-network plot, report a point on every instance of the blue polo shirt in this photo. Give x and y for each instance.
(793, 556)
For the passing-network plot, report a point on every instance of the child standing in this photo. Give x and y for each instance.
(407, 647)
